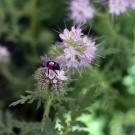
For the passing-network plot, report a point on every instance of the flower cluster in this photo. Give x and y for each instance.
(117, 7)
(81, 11)
(79, 49)
(4, 55)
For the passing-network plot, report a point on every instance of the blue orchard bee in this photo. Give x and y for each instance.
(52, 65)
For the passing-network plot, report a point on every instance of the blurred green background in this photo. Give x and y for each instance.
(28, 29)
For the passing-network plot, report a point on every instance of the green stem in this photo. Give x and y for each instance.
(47, 108)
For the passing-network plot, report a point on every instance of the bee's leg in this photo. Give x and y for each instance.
(55, 72)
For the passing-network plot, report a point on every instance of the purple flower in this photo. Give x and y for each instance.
(59, 76)
(79, 50)
(81, 11)
(117, 7)
(89, 53)
(73, 34)
(131, 4)
(70, 56)
(4, 55)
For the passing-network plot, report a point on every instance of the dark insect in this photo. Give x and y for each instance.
(52, 65)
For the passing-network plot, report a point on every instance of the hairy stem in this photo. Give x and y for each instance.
(47, 108)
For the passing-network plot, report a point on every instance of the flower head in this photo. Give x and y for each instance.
(4, 55)
(79, 50)
(81, 11)
(117, 7)
(49, 80)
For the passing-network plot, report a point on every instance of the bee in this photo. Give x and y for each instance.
(52, 65)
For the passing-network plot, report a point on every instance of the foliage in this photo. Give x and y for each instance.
(98, 101)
